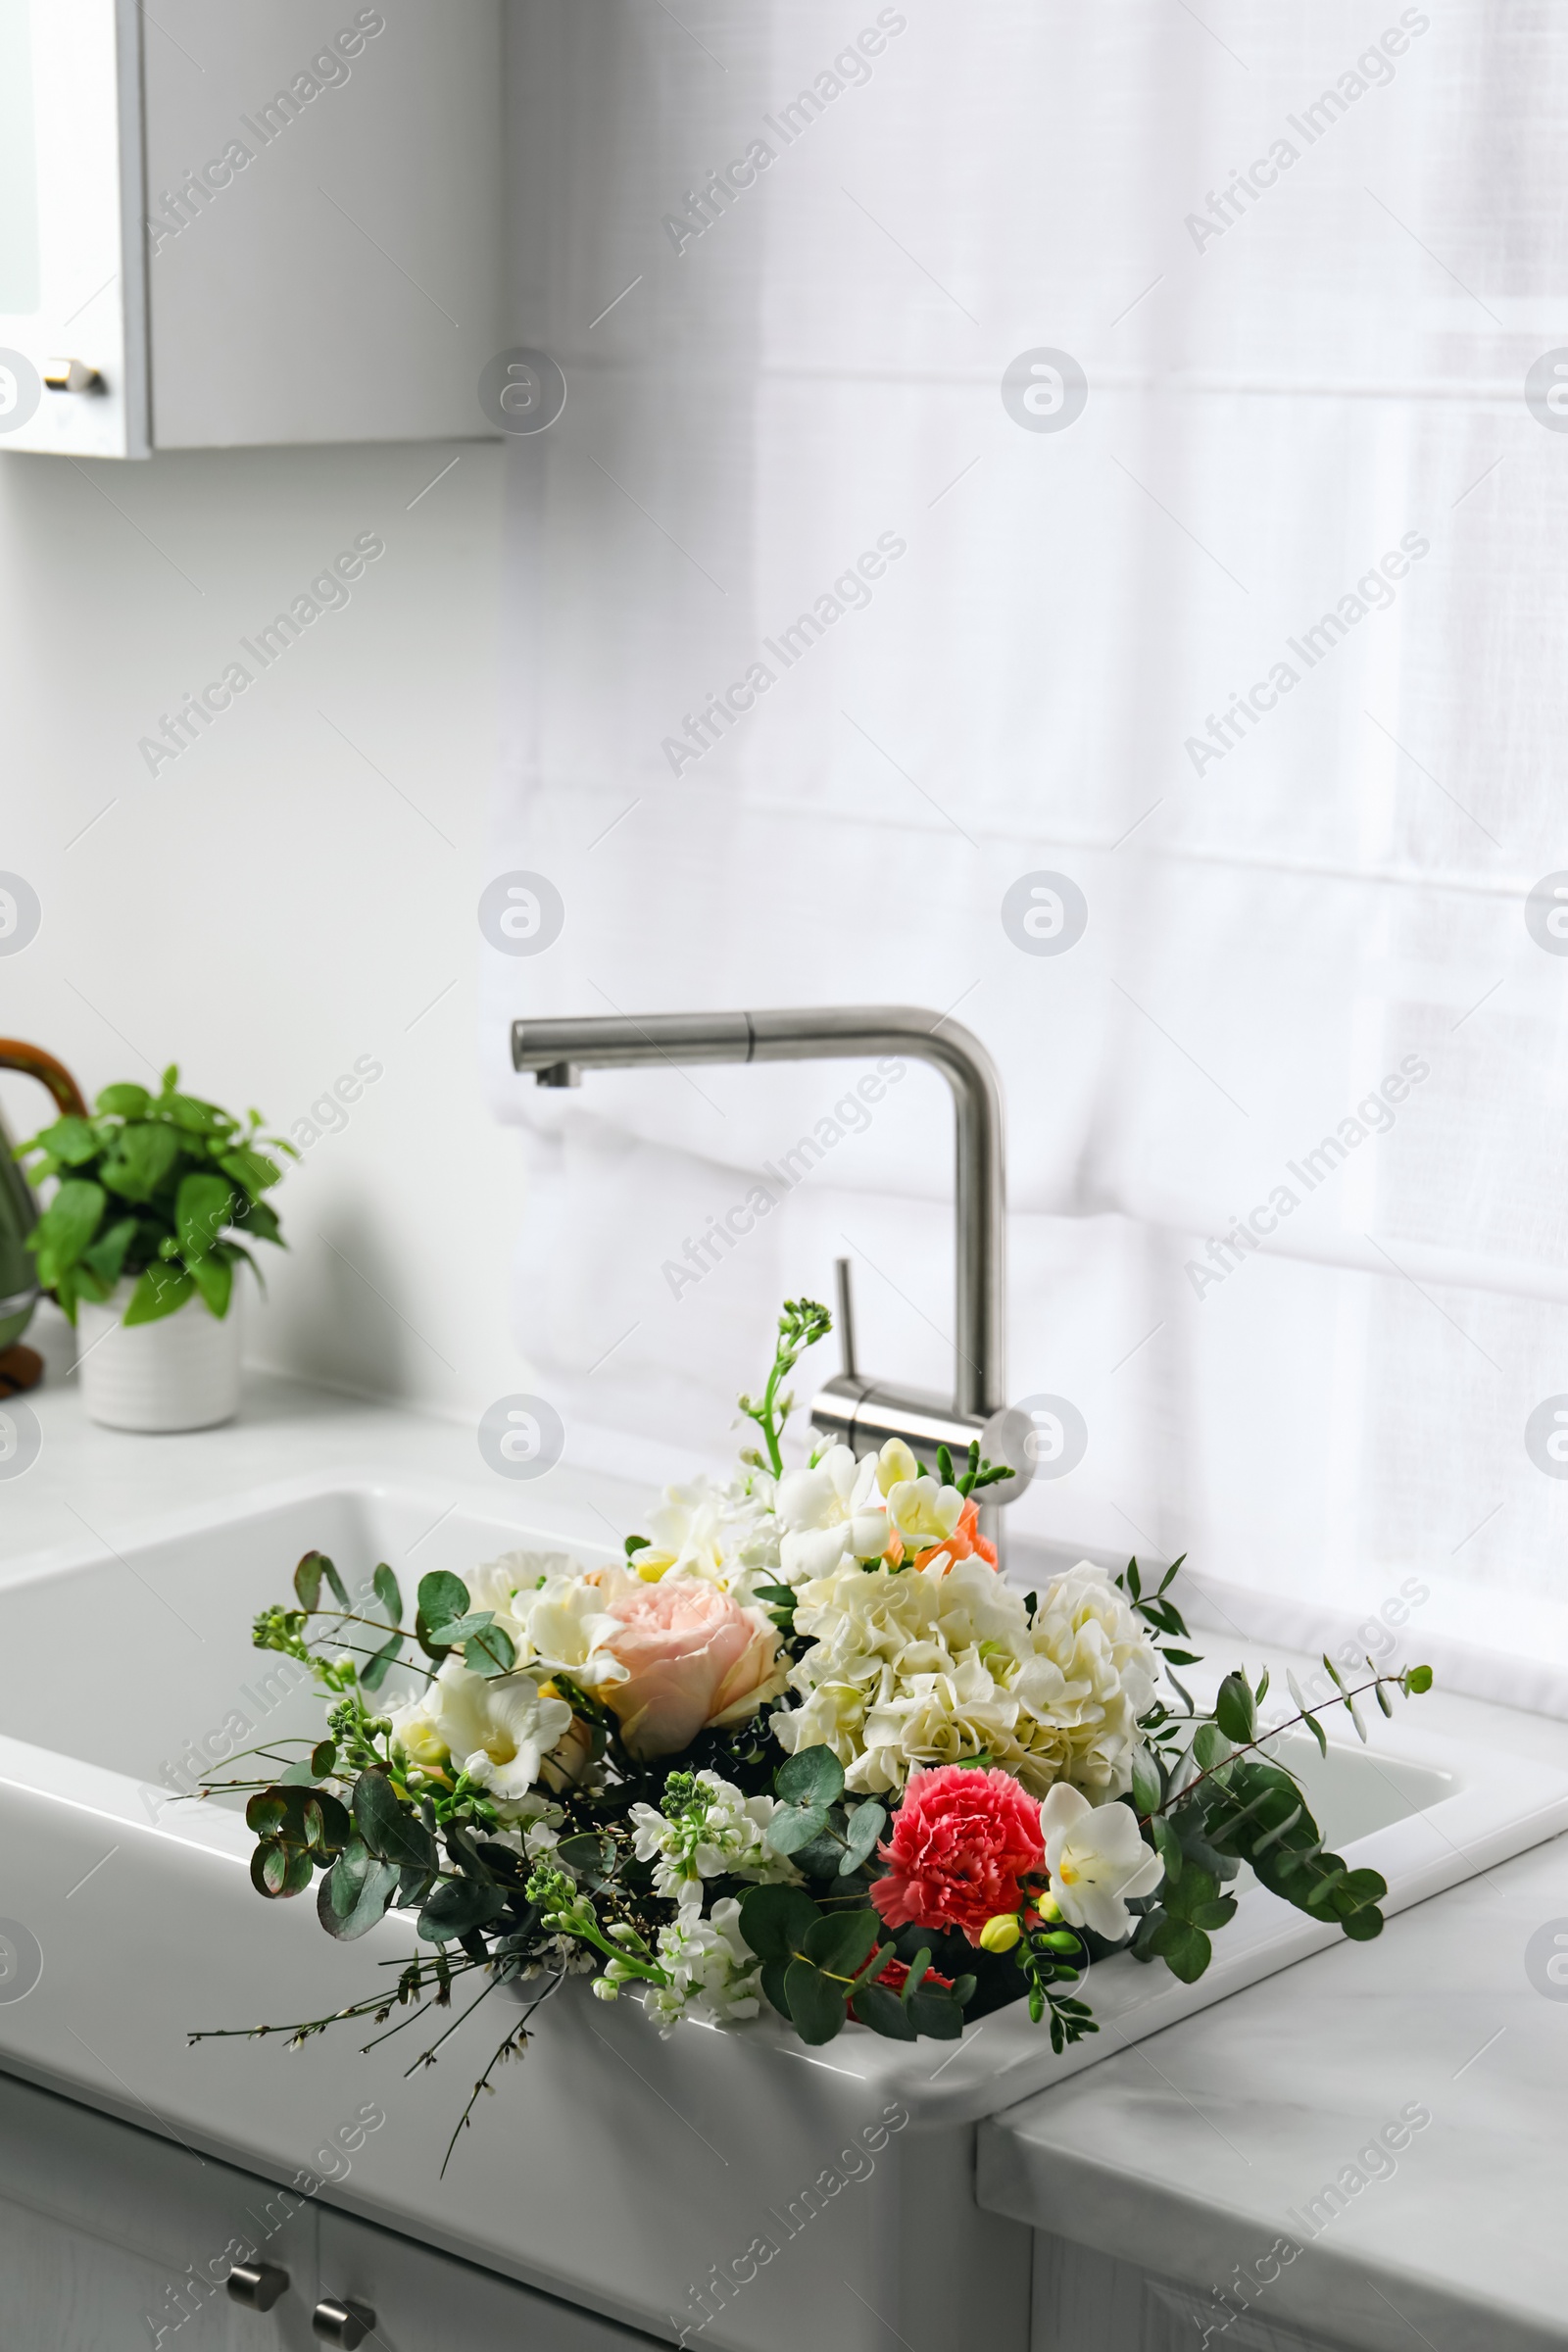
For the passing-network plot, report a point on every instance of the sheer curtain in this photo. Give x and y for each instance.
(1259, 651)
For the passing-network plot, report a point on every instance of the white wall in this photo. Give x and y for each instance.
(297, 890)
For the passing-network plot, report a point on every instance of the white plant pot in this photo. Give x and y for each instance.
(181, 1372)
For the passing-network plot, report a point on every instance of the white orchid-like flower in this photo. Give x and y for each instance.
(1097, 1859)
(924, 1512)
(498, 1730)
(833, 1512)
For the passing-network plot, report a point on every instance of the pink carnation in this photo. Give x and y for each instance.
(961, 1842)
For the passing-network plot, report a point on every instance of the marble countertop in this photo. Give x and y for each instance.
(1199, 2150)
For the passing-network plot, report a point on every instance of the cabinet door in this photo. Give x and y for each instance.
(428, 2302)
(73, 281)
(112, 2237)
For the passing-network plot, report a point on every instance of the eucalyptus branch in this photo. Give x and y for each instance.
(1406, 1681)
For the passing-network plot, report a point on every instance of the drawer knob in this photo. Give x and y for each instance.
(256, 2284)
(70, 376)
(346, 2324)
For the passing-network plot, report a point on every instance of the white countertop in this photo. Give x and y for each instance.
(1190, 2154)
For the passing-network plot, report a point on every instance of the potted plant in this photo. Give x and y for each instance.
(139, 1245)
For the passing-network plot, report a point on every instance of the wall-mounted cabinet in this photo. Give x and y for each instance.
(221, 227)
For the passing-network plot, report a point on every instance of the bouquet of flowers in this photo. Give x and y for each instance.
(803, 1746)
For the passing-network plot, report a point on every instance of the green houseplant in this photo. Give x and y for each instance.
(154, 1193)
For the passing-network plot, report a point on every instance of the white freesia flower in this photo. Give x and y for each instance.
(1097, 1860)
(497, 1731)
(716, 1976)
(938, 1664)
(831, 1514)
(923, 1513)
(717, 1833)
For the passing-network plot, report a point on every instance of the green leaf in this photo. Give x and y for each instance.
(72, 1141)
(202, 1208)
(812, 1776)
(816, 2005)
(459, 1907)
(454, 1635)
(1236, 1709)
(865, 1826)
(387, 1593)
(214, 1278)
(794, 1827)
(375, 1671)
(884, 2013)
(251, 1171)
(123, 1102)
(1147, 1790)
(327, 1827)
(391, 1833)
(308, 1581)
(1185, 1949)
(935, 2013)
(266, 1813)
(590, 1858)
(260, 1222)
(355, 1893)
(1169, 1848)
(443, 1599)
(141, 1158)
(1316, 1728)
(490, 1652)
(773, 1975)
(775, 1920)
(842, 1941)
(323, 1755)
(195, 1116)
(107, 1256)
(1334, 1674)
(1211, 1915)
(160, 1290)
(1365, 1925)
(1288, 1821)
(67, 1226)
(270, 1869)
(1210, 1747)
(339, 1588)
(1364, 1886)
(1416, 1680)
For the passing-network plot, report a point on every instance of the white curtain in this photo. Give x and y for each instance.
(1306, 398)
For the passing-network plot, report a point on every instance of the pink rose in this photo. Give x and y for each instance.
(693, 1657)
(961, 1842)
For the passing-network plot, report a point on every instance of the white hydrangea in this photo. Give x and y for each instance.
(715, 1975)
(934, 1665)
(717, 1833)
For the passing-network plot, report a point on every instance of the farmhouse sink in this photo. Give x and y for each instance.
(842, 2175)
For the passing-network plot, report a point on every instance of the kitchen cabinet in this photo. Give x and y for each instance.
(1086, 2301)
(221, 227)
(112, 2237)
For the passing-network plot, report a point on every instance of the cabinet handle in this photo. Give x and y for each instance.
(347, 2323)
(256, 2284)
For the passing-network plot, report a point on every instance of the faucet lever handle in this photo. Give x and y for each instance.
(845, 1315)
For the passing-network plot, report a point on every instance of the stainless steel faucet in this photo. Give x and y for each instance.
(851, 1407)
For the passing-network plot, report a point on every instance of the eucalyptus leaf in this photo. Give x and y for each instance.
(812, 1776)
(1236, 1709)
(490, 1652)
(842, 1941)
(354, 1895)
(775, 1920)
(390, 1833)
(1146, 1781)
(375, 1671)
(458, 1906)
(387, 1593)
(817, 2004)
(865, 1826)
(795, 1826)
(884, 2013)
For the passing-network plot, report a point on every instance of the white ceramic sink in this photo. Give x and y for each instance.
(122, 1672)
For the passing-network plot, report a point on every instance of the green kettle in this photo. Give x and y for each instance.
(19, 1209)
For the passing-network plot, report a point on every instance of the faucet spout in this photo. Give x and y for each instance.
(557, 1050)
